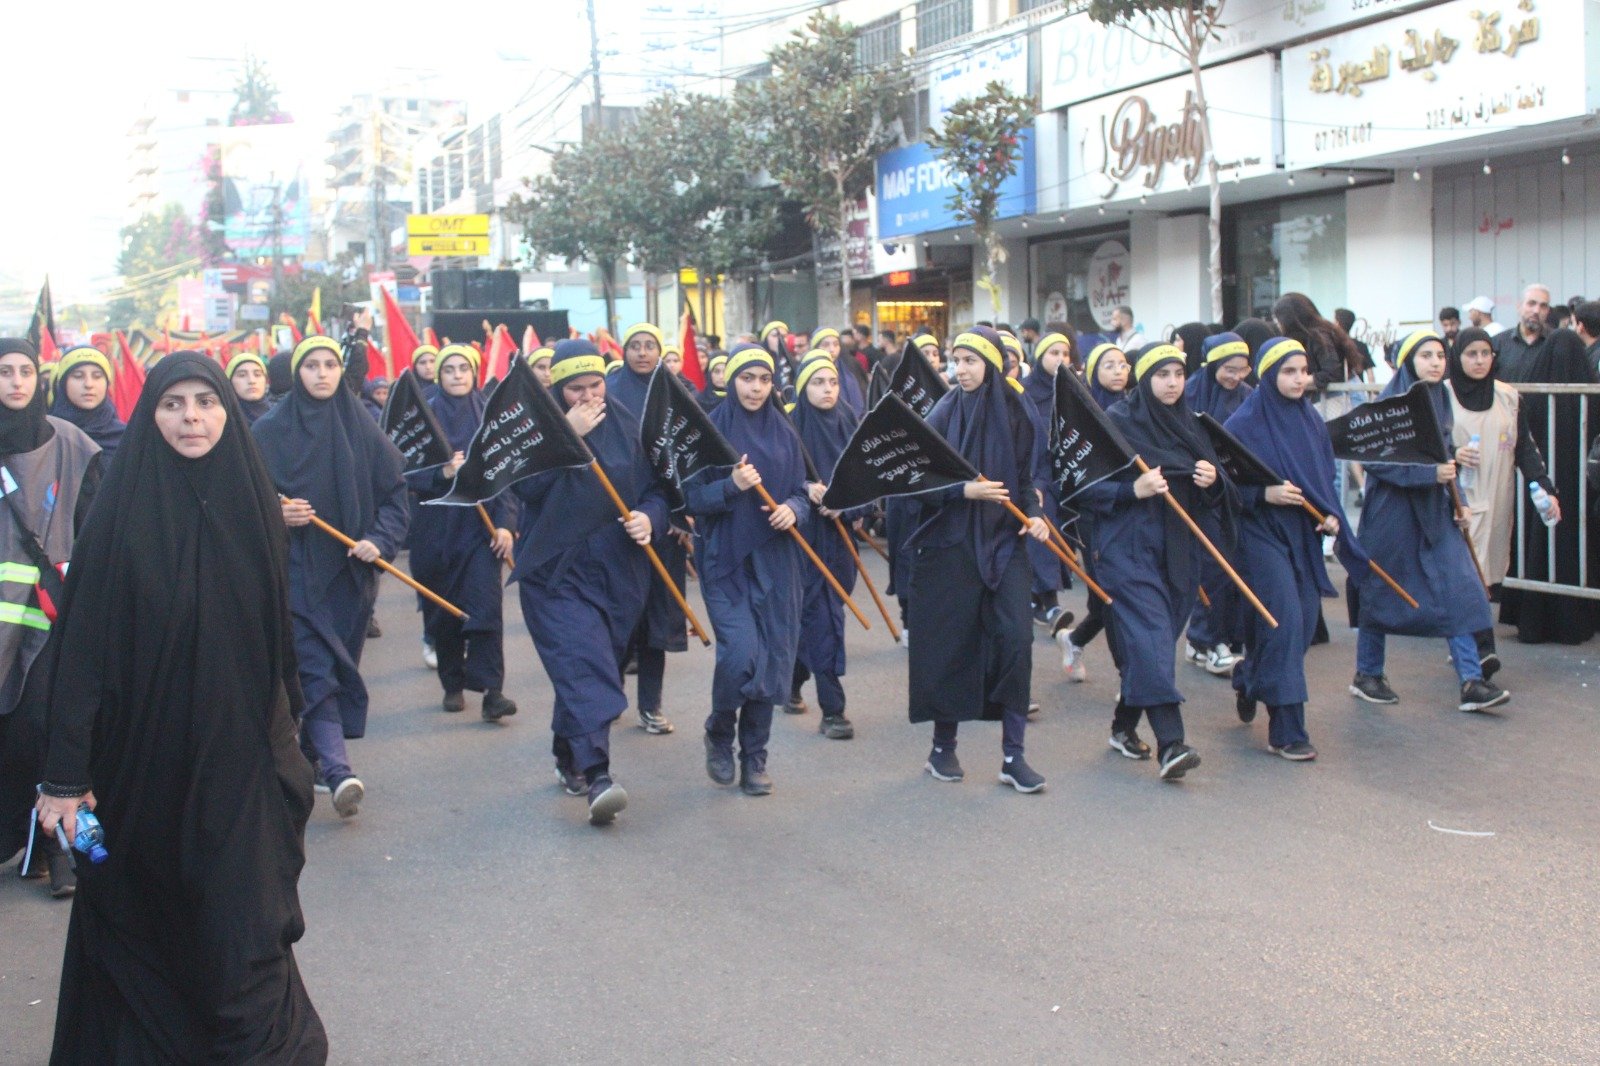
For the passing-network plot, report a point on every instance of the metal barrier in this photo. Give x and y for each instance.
(1517, 578)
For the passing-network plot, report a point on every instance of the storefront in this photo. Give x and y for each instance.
(1278, 246)
(1080, 280)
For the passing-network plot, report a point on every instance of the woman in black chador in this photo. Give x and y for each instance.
(173, 698)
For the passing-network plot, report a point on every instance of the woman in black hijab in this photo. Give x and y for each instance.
(174, 698)
(55, 469)
(330, 459)
(1190, 339)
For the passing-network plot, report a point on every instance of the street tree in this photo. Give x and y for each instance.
(255, 96)
(825, 120)
(1182, 27)
(157, 250)
(582, 209)
(980, 141)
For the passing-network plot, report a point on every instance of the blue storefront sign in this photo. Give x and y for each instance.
(914, 191)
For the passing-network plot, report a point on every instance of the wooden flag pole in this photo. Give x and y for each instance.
(1074, 560)
(849, 542)
(874, 545)
(1461, 512)
(1205, 601)
(1227, 568)
(386, 568)
(1070, 561)
(1320, 518)
(655, 560)
(488, 523)
(815, 561)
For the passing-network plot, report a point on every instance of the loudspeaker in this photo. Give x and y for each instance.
(464, 327)
(492, 289)
(450, 290)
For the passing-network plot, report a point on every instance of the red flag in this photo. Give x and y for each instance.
(166, 336)
(607, 344)
(129, 382)
(402, 339)
(691, 352)
(377, 361)
(429, 337)
(48, 352)
(530, 339)
(497, 359)
(313, 324)
(294, 331)
(573, 334)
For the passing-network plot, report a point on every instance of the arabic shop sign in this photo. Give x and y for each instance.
(1438, 75)
(969, 74)
(1081, 59)
(1149, 141)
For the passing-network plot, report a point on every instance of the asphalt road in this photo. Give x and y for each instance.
(1258, 911)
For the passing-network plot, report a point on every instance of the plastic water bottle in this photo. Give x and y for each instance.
(1542, 502)
(1468, 476)
(90, 838)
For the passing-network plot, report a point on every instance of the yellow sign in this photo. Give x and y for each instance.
(420, 246)
(447, 225)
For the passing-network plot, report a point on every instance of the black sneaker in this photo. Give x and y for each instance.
(606, 800)
(1245, 706)
(496, 706)
(455, 702)
(836, 727)
(1128, 743)
(1490, 665)
(1481, 695)
(572, 782)
(1177, 760)
(654, 722)
(1373, 689)
(796, 704)
(1063, 620)
(1016, 772)
(1042, 616)
(372, 628)
(753, 780)
(1299, 751)
(719, 762)
(944, 765)
(348, 793)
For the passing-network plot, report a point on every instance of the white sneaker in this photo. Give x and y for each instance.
(905, 638)
(430, 657)
(1071, 657)
(1219, 660)
(347, 796)
(1193, 655)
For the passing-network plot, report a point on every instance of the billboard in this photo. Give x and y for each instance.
(914, 190)
(266, 199)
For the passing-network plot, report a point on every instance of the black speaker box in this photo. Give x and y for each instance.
(450, 290)
(464, 327)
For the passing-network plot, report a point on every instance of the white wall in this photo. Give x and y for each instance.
(1389, 258)
(1170, 285)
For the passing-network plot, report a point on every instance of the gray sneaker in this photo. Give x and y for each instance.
(654, 722)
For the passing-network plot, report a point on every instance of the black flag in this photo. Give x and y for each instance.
(678, 437)
(44, 319)
(1243, 466)
(411, 424)
(1401, 429)
(916, 381)
(893, 453)
(1085, 448)
(523, 433)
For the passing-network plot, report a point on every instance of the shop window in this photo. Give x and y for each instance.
(1080, 281)
(1288, 246)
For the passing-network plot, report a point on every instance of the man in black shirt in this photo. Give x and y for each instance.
(1586, 321)
(1515, 348)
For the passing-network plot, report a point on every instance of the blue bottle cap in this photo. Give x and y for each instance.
(98, 854)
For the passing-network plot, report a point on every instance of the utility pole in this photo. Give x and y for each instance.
(607, 270)
(594, 65)
(277, 245)
(379, 258)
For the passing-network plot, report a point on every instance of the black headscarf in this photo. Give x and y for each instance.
(824, 433)
(280, 375)
(1194, 336)
(27, 429)
(1255, 332)
(1473, 394)
(173, 695)
(330, 453)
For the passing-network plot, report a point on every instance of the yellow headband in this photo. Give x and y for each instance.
(1227, 351)
(823, 334)
(744, 360)
(716, 361)
(1161, 353)
(922, 340)
(646, 328)
(1412, 343)
(541, 353)
(1043, 345)
(781, 327)
(814, 361)
(973, 342)
(473, 357)
(1093, 362)
(1012, 345)
(423, 349)
(79, 356)
(242, 358)
(578, 364)
(312, 344)
(1275, 354)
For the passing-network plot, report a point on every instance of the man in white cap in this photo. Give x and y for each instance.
(1480, 312)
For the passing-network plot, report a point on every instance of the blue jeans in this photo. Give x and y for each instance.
(1463, 655)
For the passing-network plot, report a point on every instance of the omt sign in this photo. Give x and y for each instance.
(447, 225)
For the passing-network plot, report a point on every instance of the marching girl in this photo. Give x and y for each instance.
(82, 394)
(824, 422)
(1147, 558)
(750, 570)
(716, 383)
(247, 373)
(969, 584)
(453, 554)
(582, 577)
(1217, 389)
(1409, 525)
(1050, 575)
(851, 389)
(1280, 544)
(539, 363)
(329, 459)
(425, 364)
(662, 628)
(1106, 371)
